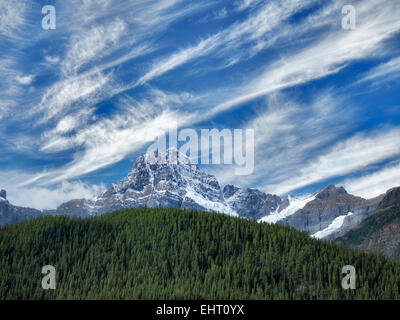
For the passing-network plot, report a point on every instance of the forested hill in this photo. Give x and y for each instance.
(175, 254)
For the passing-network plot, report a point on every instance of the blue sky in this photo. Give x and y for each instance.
(79, 103)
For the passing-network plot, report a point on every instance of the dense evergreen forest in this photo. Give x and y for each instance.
(175, 254)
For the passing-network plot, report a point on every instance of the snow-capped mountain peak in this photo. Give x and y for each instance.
(165, 179)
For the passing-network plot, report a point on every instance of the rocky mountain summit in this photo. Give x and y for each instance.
(332, 205)
(251, 203)
(168, 180)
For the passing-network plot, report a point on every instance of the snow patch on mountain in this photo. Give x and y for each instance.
(336, 224)
(295, 204)
(210, 205)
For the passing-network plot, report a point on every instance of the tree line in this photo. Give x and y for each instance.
(178, 254)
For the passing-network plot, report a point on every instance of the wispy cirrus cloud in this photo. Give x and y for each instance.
(179, 58)
(108, 140)
(228, 41)
(327, 55)
(69, 94)
(12, 18)
(92, 45)
(288, 134)
(245, 4)
(345, 157)
(95, 48)
(384, 72)
(51, 59)
(375, 183)
(25, 80)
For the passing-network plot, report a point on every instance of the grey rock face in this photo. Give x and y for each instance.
(359, 215)
(380, 232)
(330, 192)
(330, 203)
(284, 204)
(3, 194)
(251, 203)
(392, 197)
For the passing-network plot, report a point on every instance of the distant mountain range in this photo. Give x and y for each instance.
(11, 214)
(171, 180)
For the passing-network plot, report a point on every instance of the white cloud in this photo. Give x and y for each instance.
(63, 96)
(68, 123)
(10, 88)
(216, 15)
(374, 184)
(384, 72)
(25, 80)
(92, 44)
(51, 59)
(51, 198)
(12, 18)
(245, 4)
(179, 58)
(220, 14)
